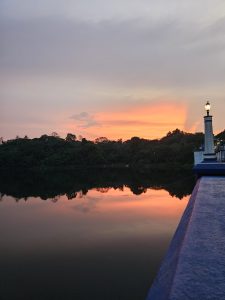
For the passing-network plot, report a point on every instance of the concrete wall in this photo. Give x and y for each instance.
(198, 157)
(194, 266)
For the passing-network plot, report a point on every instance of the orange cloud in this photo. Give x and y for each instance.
(146, 121)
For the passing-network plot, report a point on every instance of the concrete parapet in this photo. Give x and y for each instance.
(194, 266)
(213, 168)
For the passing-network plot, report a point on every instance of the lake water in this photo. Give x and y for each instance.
(103, 243)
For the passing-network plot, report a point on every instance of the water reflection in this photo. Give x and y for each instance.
(52, 184)
(95, 237)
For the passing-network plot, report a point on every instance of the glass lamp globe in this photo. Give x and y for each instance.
(207, 106)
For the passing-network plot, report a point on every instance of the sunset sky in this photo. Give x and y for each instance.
(118, 68)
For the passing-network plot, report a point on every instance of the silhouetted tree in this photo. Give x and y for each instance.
(101, 140)
(55, 134)
(221, 136)
(52, 151)
(71, 137)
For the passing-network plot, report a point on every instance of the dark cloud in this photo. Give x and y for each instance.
(84, 120)
(166, 53)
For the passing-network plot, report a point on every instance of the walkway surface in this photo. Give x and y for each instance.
(194, 267)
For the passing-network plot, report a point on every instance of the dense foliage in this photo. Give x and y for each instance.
(221, 135)
(53, 151)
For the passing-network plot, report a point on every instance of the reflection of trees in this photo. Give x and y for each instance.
(55, 199)
(103, 190)
(138, 190)
(53, 184)
(1, 196)
(71, 195)
(84, 191)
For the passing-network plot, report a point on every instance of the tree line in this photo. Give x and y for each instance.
(53, 151)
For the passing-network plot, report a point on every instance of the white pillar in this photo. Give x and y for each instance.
(209, 153)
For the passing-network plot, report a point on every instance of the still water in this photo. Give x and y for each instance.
(102, 243)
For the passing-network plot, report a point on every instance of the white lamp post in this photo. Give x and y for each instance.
(209, 153)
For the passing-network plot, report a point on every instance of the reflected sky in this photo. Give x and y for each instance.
(106, 244)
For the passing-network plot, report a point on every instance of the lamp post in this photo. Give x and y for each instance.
(207, 107)
(209, 153)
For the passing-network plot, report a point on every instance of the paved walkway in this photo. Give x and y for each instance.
(194, 267)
